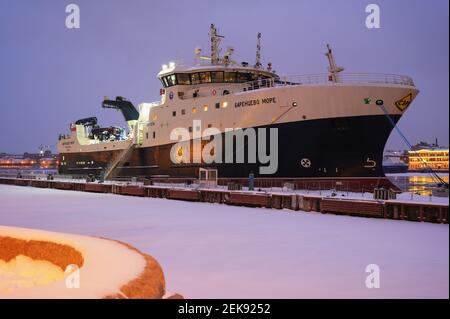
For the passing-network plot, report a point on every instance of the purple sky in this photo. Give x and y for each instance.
(51, 75)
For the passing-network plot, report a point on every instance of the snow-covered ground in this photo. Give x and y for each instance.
(219, 251)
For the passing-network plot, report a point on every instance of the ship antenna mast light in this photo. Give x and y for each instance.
(215, 41)
(258, 52)
(333, 69)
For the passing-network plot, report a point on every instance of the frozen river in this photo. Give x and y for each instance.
(219, 251)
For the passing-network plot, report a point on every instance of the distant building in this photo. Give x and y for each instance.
(426, 156)
(44, 160)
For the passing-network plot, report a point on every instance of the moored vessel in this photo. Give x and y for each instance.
(242, 119)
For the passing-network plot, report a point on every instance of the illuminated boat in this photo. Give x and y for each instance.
(393, 164)
(430, 158)
(325, 126)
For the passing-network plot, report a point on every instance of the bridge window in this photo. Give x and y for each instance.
(243, 77)
(169, 80)
(183, 79)
(229, 77)
(210, 77)
(205, 77)
(172, 80)
(195, 78)
(217, 77)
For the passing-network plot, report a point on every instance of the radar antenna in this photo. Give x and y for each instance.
(258, 52)
(199, 57)
(333, 69)
(215, 41)
(198, 54)
(227, 57)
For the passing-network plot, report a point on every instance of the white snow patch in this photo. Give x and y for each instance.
(101, 274)
(24, 272)
(219, 251)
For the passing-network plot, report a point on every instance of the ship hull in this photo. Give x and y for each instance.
(395, 169)
(350, 147)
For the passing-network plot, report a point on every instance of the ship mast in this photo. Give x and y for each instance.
(215, 41)
(333, 69)
(258, 51)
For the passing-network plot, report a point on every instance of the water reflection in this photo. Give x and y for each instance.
(417, 183)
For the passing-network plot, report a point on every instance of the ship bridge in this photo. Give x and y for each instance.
(212, 80)
(221, 75)
(179, 75)
(213, 74)
(207, 81)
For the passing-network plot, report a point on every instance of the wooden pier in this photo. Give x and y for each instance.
(388, 209)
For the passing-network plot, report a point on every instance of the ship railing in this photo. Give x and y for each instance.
(259, 84)
(326, 78)
(63, 137)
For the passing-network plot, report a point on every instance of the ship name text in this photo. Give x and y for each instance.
(266, 100)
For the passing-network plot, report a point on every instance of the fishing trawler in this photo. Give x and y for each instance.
(323, 126)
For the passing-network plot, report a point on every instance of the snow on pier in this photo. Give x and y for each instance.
(211, 250)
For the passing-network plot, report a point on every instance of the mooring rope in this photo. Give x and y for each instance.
(428, 168)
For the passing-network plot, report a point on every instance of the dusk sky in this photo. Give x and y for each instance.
(51, 75)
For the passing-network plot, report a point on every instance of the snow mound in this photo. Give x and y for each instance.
(25, 272)
(42, 264)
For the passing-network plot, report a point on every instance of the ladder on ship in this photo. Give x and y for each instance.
(429, 169)
(111, 169)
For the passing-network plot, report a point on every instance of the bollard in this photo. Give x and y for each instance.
(294, 202)
(251, 182)
(300, 202)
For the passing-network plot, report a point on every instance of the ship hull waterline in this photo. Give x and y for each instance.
(323, 151)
